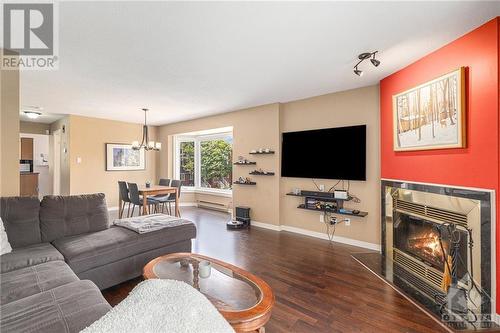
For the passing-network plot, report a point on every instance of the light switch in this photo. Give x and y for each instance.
(78, 160)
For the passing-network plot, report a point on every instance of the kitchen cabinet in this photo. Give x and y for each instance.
(27, 149)
(29, 184)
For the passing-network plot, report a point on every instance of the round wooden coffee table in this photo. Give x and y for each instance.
(244, 299)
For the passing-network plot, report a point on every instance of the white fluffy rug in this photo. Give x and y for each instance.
(165, 306)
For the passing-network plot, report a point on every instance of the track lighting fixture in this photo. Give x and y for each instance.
(364, 56)
(357, 71)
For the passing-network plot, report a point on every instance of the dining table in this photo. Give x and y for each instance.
(156, 190)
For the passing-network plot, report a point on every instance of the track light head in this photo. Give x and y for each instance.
(374, 61)
(358, 72)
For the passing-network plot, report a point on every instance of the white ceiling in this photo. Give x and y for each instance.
(185, 60)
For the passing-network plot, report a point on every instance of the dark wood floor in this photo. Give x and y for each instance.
(318, 286)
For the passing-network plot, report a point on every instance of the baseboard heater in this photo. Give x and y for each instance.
(213, 205)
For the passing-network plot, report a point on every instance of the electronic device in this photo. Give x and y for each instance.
(349, 211)
(333, 153)
(339, 194)
(242, 218)
(26, 166)
(236, 225)
(305, 193)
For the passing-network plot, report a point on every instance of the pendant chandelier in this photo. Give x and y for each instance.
(145, 143)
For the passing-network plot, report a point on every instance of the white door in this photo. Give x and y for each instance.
(57, 162)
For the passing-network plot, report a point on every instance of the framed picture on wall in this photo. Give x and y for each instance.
(431, 115)
(121, 157)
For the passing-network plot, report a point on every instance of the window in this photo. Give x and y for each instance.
(216, 168)
(203, 161)
(186, 165)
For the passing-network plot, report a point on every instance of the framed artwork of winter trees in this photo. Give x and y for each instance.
(431, 115)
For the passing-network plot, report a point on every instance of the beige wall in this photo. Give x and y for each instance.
(262, 127)
(87, 141)
(252, 128)
(9, 133)
(33, 128)
(353, 107)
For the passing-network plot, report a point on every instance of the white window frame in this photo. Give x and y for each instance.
(197, 139)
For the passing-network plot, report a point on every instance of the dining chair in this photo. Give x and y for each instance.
(163, 199)
(171, 197)
(136, 199)
(125, 199)
(164, 182)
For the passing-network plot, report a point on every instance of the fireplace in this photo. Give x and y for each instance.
(436, 248)
(429, 242)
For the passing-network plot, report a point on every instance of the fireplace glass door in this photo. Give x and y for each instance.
(420, 239)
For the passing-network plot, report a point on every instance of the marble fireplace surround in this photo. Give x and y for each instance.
(477, 205)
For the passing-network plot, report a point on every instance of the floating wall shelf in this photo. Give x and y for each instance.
(262, 153)
(261, 173)
(246, 163)
(246, 183)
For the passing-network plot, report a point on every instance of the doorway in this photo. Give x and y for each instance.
(57, 162)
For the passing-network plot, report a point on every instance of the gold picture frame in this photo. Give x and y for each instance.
(431, 115)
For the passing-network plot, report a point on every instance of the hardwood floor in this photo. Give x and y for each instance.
(318, 286)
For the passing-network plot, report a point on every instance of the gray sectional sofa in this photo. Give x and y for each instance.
(58, 245)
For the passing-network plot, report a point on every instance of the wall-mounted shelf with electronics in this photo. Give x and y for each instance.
(325, 202)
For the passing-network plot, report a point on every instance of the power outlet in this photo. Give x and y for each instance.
(347, 221)
(321, 187)
(322, 218)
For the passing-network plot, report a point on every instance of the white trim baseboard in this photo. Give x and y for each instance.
(265, 225)
(338, 239)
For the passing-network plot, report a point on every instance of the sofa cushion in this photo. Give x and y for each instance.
(20, 218)
(68, 308)
(62, 216)
(32, 280)
(29, 256)
(84, 252)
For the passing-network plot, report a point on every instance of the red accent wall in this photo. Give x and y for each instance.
(477, 165)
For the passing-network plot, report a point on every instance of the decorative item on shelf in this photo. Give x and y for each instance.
(146, 144)
(260, 172)
(243, 161)
(262, 151)
(245, 181)
(440, 124)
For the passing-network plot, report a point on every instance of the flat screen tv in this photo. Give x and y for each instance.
(332, 153)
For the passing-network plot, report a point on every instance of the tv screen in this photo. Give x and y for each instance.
(332, 153)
